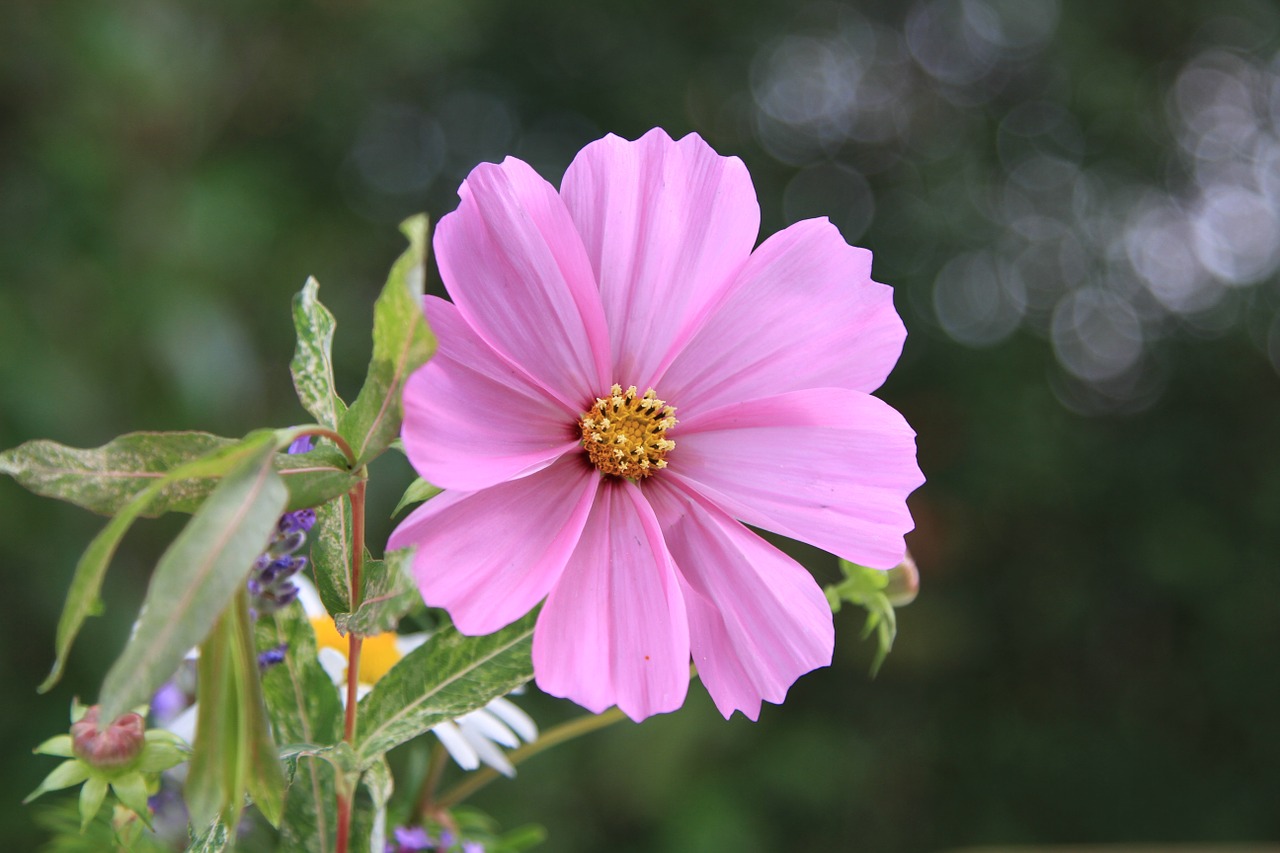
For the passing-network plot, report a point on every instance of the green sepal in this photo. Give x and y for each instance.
(865, 587)
(419, 490)
(441, 680)
(401, 343)
(66, 774)
(92, 794)
(131, 790)
(59, 746)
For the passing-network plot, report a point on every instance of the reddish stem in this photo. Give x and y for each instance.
(336, 439)
(353, 652)
(344, 822)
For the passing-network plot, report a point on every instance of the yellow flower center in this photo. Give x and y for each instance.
(625, 434)
(378, 653)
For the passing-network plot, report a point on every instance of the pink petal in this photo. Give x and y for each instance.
(758, 620)
(514, 265)
(471, 419)
(829, 467)
(614, 630)
(666, 225)
(489, 556)
(804, 313)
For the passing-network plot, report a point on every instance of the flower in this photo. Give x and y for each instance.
(271, 579)
(622, 384)
(123, 755)
(473, 738)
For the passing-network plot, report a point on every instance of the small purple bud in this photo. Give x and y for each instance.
(272, 657)
(168, 702)
(111, 748)
(283, 568)
(286, 595)
(288, 543)
(304, 519)
(411, 839)
(302, 444)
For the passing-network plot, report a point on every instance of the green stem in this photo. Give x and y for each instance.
(574, 728)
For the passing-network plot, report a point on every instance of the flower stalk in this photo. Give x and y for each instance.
(357, 498)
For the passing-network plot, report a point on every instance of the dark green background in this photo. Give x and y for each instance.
(1093, 657)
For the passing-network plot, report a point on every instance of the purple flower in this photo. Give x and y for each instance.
(410, 839)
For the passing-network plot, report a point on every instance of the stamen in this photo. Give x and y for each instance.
(624, 433)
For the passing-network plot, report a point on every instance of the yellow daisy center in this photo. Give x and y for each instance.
(625, 434)
(378, 653)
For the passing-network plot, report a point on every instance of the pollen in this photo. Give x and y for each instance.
(625, 433)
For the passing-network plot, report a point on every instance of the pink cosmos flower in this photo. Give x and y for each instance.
(622, 384)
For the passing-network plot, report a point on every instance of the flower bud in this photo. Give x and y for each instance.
(116, 746)
(904, 583)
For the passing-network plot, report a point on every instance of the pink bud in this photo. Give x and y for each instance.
(111, 748)
(904, 583)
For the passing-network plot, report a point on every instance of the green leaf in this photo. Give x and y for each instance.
(215, 781)
(105, 479)
(304, 708)
(264, 775)
(234, 752)
(388, 593)
(197, 576)
(310, 822)
(419, 490)
(86, 583)
(401, 343)
(378, 781)
(302, 702)
(440, 680)
(213, 839)
(331, 544)
(312, 364)
(316, 476)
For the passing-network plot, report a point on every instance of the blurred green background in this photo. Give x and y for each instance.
(1078, 204)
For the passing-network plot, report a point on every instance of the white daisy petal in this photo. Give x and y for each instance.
(334, 663)
(515, 717)
(457, 745)
(406, 643)
(483, 725)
